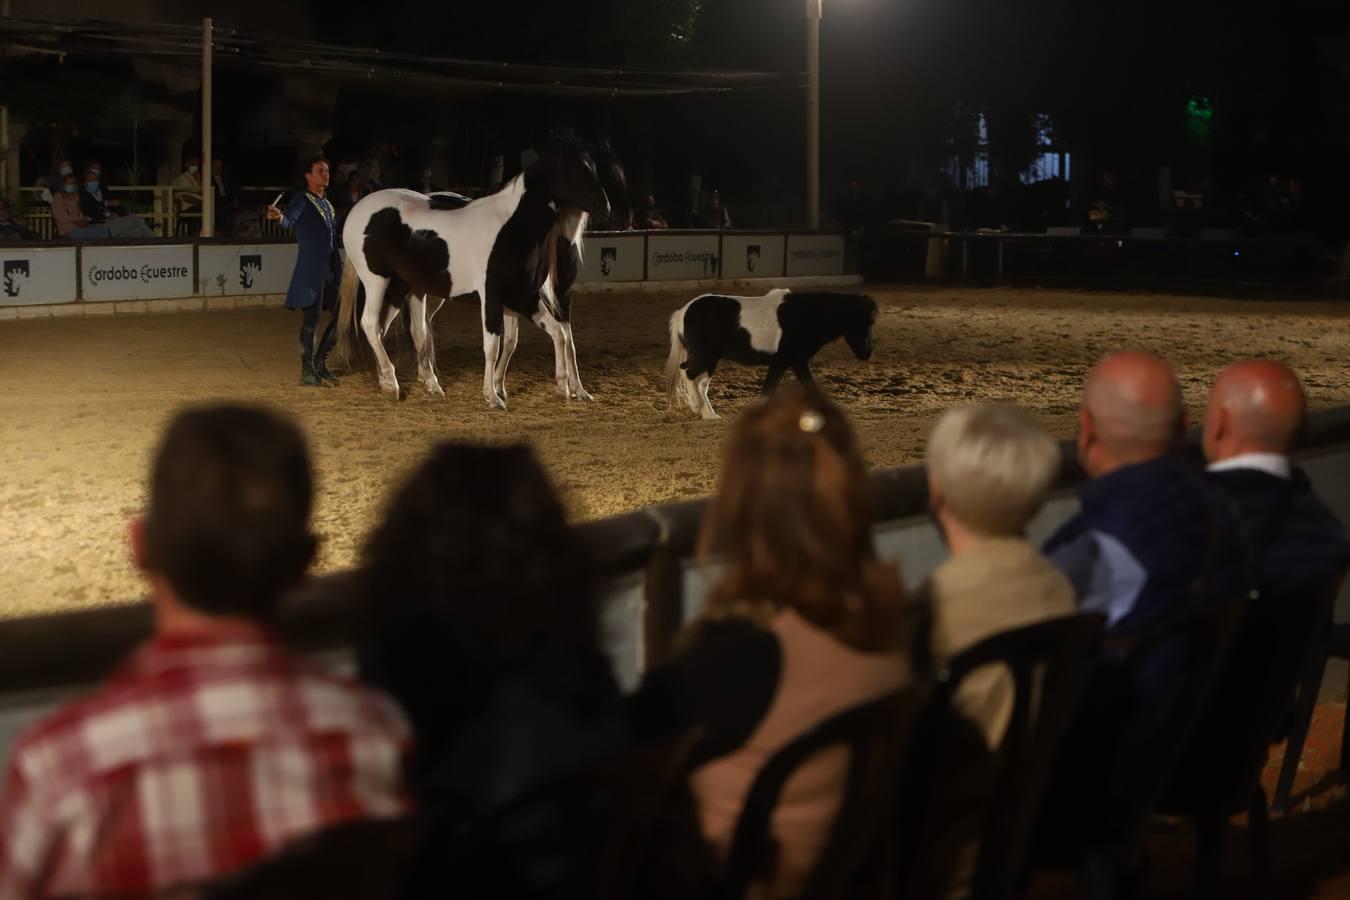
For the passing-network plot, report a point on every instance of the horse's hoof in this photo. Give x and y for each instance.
(495, 402)
(709, 415)
(582, 394)
(435, 390)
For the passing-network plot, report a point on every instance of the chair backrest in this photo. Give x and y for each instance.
(1198, 635)
(604, 831)
(874, 734)
(1252, 695)
(1049, 663)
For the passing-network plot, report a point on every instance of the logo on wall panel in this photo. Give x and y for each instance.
(17, 273)
(752, 254)
(249, 267)
(608, 256)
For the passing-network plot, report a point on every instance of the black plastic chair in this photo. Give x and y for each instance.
(1220, 773)
(628, 828)
(1048, 663)
(1121, 750)
(857, 857)
(1331, 642)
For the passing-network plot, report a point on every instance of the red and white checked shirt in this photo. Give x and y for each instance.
(195, 758)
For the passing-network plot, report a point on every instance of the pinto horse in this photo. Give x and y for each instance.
(782, 330)
(504, 248)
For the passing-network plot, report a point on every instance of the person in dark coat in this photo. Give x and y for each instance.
(317, 268)
(1255, 410)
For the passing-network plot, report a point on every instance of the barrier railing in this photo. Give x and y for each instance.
(646, 558)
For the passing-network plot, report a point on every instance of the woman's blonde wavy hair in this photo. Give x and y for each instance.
(792, 522)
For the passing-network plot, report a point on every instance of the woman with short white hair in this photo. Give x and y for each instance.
(990, 466)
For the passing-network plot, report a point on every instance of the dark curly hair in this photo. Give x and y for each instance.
(475, 577)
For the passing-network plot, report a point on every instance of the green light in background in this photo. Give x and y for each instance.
(1199, 118)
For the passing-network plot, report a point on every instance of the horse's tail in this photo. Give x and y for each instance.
(678, 354)
(346, 315)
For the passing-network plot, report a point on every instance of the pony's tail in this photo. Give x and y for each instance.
(346, 315)
(678, 354)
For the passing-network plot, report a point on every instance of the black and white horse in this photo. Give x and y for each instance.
(511, 248)
(781, 330)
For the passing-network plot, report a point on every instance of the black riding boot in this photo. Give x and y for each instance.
(308, 376)
(321, 354)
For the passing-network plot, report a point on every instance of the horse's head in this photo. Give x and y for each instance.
(615, 182)
(858, 331)
(565, 175)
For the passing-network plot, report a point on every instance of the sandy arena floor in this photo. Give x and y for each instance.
(82, 402)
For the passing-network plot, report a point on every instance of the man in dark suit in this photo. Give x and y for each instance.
(318, 268)
(1254, 413)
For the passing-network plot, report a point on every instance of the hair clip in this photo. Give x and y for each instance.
(811, 422)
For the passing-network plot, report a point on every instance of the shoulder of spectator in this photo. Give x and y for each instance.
(722, 682)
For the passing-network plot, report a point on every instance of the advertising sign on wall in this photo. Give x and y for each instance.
(752, 255)
(37, 275)
(225, 270)
(682, 257)
(815, 254)
(608, 257)
(137, 273)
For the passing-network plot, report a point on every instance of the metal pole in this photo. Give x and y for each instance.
(813, 113)
(4, 126)
(208, 183)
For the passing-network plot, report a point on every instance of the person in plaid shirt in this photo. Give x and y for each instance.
(210, 746)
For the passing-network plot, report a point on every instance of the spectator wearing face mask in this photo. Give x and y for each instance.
(103, 212)
(71, 220)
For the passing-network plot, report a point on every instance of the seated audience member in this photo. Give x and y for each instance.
(10, 229)
(1152, 538)
(211, 746)
(804, 622)
(187, 187)
(1148, 526)
(989, 468)
(1255, 410)
(99, 212)
(68, 214)
(481, 619)
(649, 217)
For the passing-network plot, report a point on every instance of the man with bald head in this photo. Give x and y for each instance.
(1255, 410)
(1148, 525)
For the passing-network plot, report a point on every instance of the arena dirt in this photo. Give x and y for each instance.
(83, 400)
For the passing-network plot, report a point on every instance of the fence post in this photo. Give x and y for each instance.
(999, 241)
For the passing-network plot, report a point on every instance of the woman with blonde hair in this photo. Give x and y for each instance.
(802, 623)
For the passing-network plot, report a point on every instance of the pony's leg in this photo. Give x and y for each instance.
(553, 328)
(421, 335)
(776, 371)
(370, 324)
(390, 314)
(493, 326)
(510, 338)
(701, 388)
(573, 373)
(803, 372)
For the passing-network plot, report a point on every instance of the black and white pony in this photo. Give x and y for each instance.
(781, 330)
(512, 248)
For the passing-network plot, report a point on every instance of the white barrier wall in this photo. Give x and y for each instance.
(98, 272)
(37, 275)
(225, 270)
(141, 272)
